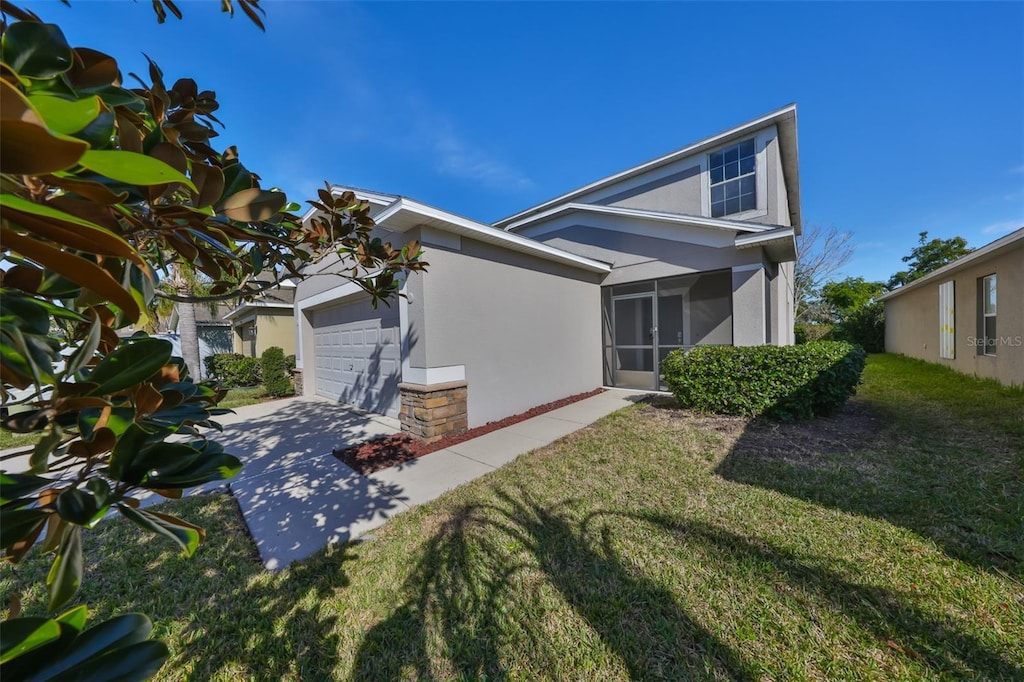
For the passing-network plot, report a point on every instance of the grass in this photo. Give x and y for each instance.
(240, 397)
(884, 543)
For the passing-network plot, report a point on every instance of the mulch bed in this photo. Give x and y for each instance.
(385, 451)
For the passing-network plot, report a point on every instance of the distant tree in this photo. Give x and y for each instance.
(820, 253)
(928, 255)
(848, 295)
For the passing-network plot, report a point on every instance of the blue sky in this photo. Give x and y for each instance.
(911, 116)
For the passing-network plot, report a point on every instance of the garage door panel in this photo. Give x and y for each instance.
(358, 356)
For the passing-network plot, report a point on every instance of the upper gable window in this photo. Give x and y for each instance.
(732, 180)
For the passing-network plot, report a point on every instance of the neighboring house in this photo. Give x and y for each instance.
(591, 288)
(967, 315)
(266, 322)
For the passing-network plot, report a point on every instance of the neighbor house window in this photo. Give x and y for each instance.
(947, 321)
(732, 180)
(987, 315)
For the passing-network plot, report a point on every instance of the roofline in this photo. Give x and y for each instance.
(644, 214)
(245, 307)
(765, 237)
(470, 228)
(977, 254)
(780, 114)
(362, 194)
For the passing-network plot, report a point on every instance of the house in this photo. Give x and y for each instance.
(265, 322)
(591, 288)
(967, 315)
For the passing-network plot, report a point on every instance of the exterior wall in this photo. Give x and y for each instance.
(749, 296)
(683, 186)
(275, 328)
(527, 331)
(912, 319)
(676, 192)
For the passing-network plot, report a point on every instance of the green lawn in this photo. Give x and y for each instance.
(884, 543)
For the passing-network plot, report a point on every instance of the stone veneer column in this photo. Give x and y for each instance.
(434, 411)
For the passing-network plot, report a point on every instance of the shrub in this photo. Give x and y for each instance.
(865, 327)
(233, 369)
(275, 372)
(807, 333)
(781, 382)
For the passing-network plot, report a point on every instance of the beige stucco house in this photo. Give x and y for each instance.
(591, 288)
(266, 322)
(967, 315)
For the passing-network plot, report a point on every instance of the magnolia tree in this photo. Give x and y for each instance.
(106, 191)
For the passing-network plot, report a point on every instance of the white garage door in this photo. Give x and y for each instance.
(358, 355)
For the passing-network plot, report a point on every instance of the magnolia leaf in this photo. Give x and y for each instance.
(117, 649)
(14, 486)
(19, 524)
(70, 231)
(75, 268)
(66, 116)
(74, 618)
(92, 69)
(36, 50)
(210, 181)
(30, 149)
(236, 179)
(21, 635)
(252, 205)
(132, 363)
(133, 168)
(185, 535)
(65, 575)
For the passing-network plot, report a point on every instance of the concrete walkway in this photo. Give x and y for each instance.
(296, 497)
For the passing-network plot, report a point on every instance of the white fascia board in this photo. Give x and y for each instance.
(659, 216)
(989, 249)
(255, 304)
(782, 235)
(362, 194)
(654, 163)
(403, 214)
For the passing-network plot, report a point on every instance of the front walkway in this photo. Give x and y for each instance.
(296, 497)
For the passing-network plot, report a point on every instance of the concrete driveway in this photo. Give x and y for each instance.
(296, 497)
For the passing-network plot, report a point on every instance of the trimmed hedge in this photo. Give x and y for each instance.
(233, 369)
(276, 381)
(781, 382)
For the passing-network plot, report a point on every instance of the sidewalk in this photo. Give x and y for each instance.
(300, 506)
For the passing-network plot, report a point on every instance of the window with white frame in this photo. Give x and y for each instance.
(947, 320)
(987, 315)
(733, 186)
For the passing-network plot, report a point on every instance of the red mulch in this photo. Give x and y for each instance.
(385, 451)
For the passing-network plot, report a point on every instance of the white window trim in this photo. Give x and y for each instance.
(947, 320)
(989, 349)
(761, 140)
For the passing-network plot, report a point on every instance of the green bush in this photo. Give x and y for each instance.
(807, 333)
(865, 327)
(781, 382)
(276, 381)
(233, 369)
